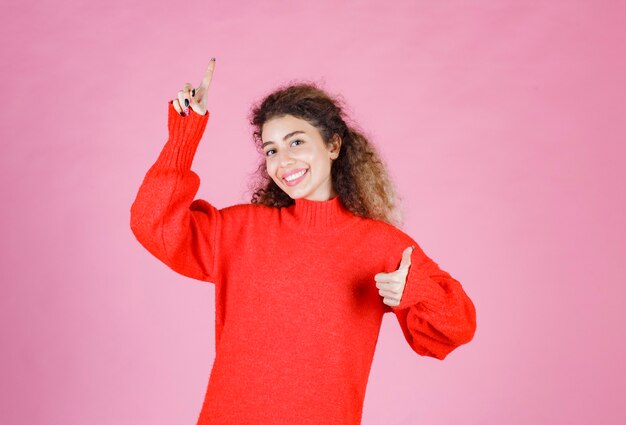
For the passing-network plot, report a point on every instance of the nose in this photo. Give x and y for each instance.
(285, 158)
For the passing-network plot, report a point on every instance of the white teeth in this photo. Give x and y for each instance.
(295, 176)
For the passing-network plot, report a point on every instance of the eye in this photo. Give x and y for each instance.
(267, 153)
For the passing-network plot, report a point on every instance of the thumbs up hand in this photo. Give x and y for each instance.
(391, 285)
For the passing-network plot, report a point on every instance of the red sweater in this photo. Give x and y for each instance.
(297, 311)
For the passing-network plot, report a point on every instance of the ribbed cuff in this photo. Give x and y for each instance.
(185, 134)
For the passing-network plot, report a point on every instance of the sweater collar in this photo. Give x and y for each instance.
(319, 216)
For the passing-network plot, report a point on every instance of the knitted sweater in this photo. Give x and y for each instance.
(297, 311)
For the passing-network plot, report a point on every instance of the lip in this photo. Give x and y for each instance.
(297, 170)
(299, 179)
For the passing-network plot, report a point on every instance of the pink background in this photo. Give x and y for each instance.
(502, 123)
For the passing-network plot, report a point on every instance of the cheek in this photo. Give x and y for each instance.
(271, 169)
(310, 157)
(321, 161)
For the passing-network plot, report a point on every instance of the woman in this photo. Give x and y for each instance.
(304, 273)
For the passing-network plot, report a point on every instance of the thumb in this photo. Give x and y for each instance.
(406, 257)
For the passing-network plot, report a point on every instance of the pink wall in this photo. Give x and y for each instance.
(503, 125)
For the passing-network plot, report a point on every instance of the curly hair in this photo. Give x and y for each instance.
(359, 174)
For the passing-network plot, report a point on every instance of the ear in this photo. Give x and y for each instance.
(335, 146)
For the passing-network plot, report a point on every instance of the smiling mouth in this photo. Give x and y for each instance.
(300, 175)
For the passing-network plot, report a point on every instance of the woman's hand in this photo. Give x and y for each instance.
(195, 97)
(391, 285)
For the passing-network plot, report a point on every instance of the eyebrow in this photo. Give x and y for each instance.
(284, 138)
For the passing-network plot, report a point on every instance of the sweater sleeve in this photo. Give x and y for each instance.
(435, 313)
(179, 231)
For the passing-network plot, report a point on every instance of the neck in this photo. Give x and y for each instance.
(319, 216)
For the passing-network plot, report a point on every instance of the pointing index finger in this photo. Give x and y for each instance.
(208, 74)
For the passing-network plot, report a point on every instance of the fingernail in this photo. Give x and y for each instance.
(213, 59)
(186, 102)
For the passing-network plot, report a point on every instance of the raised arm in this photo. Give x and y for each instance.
(165, 218)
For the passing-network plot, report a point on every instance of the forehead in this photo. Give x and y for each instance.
(275, 129)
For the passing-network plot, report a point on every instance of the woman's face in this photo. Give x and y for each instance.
(291, 146)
